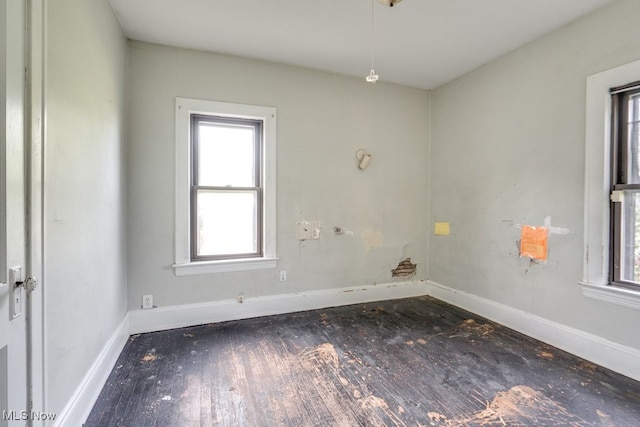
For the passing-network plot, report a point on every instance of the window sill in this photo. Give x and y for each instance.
(224, 266)
(620, 296)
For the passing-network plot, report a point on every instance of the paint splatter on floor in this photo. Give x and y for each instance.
(150, 356)
(482, 329)
(336, 391)
(434, 416)
(380, 406)
(522, 406)
(324, 353)
(583, 364)
(324, 319)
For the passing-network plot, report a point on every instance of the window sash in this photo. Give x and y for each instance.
(625, 178)
(196, 188)
(255, 231)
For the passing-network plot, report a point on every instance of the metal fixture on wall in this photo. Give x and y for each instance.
(364, 158)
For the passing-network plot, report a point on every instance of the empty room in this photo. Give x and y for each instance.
(306, 213)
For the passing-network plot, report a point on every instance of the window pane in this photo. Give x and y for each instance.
(226, 155)
(633, 137)
(630, 241)
(227, 223)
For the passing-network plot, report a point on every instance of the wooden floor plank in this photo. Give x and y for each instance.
(410, 362)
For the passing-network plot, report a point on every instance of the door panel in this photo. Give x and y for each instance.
(13, 357)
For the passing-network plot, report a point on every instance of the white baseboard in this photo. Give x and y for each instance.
(82, 401)
(157, 319)
(617, 357)
(163, 318)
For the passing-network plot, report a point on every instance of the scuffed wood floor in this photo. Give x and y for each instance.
(411, 362)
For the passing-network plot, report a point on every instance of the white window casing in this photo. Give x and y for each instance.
(185, 107)
(597, 187)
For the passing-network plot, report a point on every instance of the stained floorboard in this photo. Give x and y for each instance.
(409, 362)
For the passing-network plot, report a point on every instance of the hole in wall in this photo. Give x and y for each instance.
(404, 269)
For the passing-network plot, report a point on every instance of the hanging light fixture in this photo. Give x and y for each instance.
(390, 3)
(372, 77)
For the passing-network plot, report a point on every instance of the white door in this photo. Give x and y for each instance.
(13, 342)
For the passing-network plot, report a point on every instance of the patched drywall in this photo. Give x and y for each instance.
(323, 120)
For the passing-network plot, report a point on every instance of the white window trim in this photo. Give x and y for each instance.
(184, 108)
(597, 173)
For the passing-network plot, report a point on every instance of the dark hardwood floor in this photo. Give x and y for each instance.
(410, 362)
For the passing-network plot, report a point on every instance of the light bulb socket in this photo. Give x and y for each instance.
(389, 2)
(372, 77)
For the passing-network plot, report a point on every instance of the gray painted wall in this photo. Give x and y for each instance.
(322, 121)
(508, 148)
(85, 251)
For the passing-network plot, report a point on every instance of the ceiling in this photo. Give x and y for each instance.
(419, 43)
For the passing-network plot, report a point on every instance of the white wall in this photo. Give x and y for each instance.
(85, 250)
(322, 120)
(508, 148)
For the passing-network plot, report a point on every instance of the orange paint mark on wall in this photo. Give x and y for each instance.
(534, 242)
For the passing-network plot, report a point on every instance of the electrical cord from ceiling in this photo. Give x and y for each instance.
(373, 77)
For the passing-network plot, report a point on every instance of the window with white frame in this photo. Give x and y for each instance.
(602, 175)
(225, 187)
(625, 186)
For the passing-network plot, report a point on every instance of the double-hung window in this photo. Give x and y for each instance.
(611, 232)
(625, 185)
(225, 187)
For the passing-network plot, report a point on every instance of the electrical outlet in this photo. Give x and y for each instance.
(147, 302)
(283, 275)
